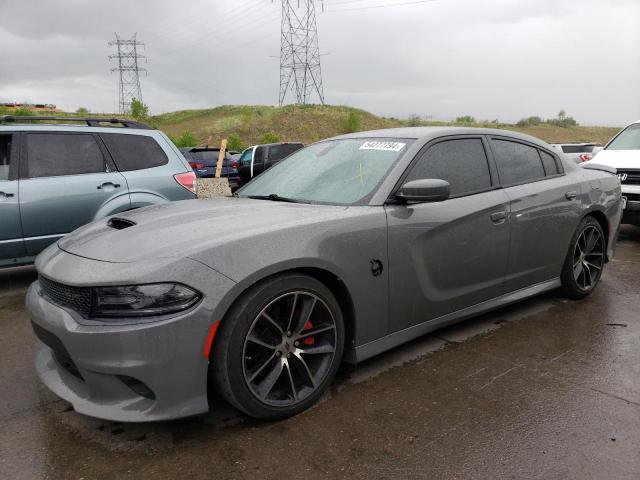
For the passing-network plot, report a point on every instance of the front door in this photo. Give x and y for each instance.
(11, 243)
(65, 184)
(446, 256)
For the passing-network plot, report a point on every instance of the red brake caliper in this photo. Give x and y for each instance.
(308, 340)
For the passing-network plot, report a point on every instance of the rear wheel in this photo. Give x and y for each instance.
(585, 260)
(279, 347)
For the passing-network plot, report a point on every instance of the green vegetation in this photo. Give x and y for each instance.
(270, 137)
(186, 139)
(562, 121)
(466, 119)
(234, 144)
(139, 110)
(82, 111)
(23, 112)
(530, 122)
(414, 120)
(351, 123)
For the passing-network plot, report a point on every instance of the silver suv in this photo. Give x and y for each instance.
(55, 178)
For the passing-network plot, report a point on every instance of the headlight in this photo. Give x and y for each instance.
(142, 300)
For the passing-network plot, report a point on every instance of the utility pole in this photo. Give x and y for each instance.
(127, 58)
(300, 71)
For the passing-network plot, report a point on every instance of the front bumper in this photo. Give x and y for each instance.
(631, 213)
(124, 372)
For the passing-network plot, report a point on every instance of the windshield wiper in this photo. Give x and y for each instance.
(274, 197)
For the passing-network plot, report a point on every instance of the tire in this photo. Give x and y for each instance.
(279, 347)
(584, 263)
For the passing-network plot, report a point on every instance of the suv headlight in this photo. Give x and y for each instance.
(142, 300)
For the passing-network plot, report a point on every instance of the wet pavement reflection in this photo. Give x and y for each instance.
(548, 388)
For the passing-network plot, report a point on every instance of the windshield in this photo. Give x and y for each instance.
(344, 171)
(628, 139)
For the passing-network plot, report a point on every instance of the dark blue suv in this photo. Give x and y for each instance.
(203, 161)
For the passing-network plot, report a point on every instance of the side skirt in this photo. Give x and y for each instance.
(387, 342)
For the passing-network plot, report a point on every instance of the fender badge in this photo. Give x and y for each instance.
(376, 267)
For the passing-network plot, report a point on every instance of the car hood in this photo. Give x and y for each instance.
(187, 227)
(620, 159)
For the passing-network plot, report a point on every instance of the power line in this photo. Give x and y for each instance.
(129, 70)
(300, 71)
(379, 6)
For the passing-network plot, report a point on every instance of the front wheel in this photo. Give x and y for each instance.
(279, 347)
(585, 260)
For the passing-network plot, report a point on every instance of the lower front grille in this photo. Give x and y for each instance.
(76, 298)
(631, 177)
(59, 351)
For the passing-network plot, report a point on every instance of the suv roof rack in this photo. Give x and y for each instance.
(90, 121)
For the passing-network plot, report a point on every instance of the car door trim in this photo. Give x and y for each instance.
(394, 339)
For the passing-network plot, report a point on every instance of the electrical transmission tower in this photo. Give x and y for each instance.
(300, 71)
(129, 69)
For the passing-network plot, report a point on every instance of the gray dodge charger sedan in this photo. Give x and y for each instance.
(349, 247)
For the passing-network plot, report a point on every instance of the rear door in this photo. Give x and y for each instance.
(544, 211)
(66, 182)
(446, 256)
(11, 243)
(146, 164)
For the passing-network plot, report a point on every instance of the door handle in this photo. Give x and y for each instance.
(6, 195)
(571, 195)
(499, 217)
(106, 184)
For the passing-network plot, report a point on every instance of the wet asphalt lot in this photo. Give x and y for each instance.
(546, 389)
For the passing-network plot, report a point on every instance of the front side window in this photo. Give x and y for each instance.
(344, 172)
(463, 163)
(57, 154)
(628, 139)
(517, 163)
(245, 158)
(134, 152)
(5, 156)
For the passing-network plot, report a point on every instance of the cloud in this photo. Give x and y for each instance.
(501, 59)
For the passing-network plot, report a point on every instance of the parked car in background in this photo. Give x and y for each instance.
(346, 249)
(255, 160)
(623, 154)
(578, 152)
(204, 160)
(55, 178)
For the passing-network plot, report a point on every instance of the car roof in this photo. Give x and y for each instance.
(429, 133)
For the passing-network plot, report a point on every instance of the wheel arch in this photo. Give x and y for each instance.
(601, 218)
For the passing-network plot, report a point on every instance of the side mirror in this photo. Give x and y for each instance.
(426, 190)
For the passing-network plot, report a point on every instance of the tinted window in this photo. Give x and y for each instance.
(549, 162)
(245, 158)
(258, 156)
(517, 163)
(577, 148)
(55, 154)
(462, 163)
(134, 152)
(5, 156)
(278, 152)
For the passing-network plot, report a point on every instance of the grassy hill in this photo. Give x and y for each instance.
(309, 123)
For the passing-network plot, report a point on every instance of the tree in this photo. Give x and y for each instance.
(234, 144)
(414, 120)
(466, 119)
(82, 111)
(139, 110)
(186, 139)
(270, 137)
(351, 123)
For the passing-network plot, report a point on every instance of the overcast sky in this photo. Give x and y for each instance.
(503, 59)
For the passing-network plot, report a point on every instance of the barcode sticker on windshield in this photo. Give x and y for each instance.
(386, 146)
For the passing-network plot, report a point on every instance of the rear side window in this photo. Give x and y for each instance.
(517, 163)
(134, 152)
(278, 152)
(549, 163)
(57, 154)
(5, 156)
(462, 163)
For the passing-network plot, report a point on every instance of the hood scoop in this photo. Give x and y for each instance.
(120, 223)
